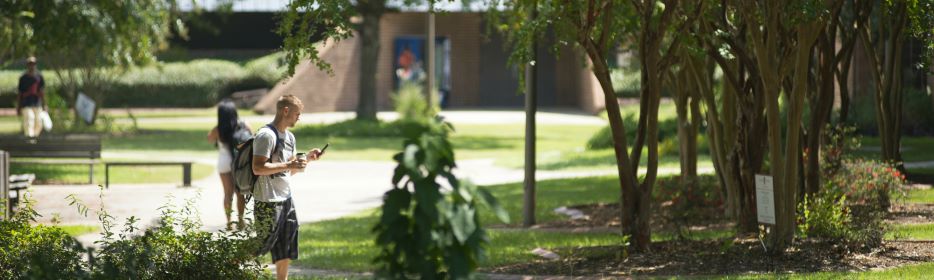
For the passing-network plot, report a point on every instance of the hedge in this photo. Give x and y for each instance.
(196, 83)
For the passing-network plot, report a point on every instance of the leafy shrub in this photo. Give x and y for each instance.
(704, 193)
(270, 68)
(426, 229)
(667, 136)
(174, 249)
(411, 104)
(626, 83)
(177, 249)
(831, 216)
(37, 251)
(867, 182)
(196, 83)
(603, 138)
(178, 84)
(824, 216)
(851, 205)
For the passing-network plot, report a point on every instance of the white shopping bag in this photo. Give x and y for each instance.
(46, 120)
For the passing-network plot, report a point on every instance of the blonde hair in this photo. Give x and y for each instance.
(288, 100)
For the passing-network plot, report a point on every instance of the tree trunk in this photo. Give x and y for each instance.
(887, 75)
(371, 11)
(821, 106)
(627, 180)
(688, 114)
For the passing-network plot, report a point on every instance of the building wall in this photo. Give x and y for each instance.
(463, 33)
(479, 75)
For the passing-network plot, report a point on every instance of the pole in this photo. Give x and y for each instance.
(531, 90)
(430, 55)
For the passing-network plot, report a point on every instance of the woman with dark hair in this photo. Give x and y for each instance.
(223, 136)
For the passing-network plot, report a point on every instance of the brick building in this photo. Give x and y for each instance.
(478, 75)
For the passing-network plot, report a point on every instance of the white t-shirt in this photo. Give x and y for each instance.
(276, 187)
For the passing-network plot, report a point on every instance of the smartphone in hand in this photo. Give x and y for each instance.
(325, 148)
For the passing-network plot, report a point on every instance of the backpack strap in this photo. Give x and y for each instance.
(278, 141)
(277, 147)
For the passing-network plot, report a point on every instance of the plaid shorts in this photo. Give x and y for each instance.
(279, 221)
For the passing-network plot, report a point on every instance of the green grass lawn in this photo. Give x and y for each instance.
(78, 174)
(911, 232)
(78, 230)
(347, 243)
(913, 148)
(920, 196)
(918, 271)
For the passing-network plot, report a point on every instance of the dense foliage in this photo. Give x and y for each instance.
(429, 227)
(175, 248)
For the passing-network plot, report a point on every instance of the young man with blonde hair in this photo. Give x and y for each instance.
(274, 161)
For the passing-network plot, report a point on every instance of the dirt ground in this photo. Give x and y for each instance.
(718, 257)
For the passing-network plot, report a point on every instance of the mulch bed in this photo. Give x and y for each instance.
(717, 257)
(911, 213)
(606, 215)
(713, 257)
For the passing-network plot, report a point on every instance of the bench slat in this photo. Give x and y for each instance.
(54, 161)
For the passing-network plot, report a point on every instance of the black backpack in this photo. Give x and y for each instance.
(244, 178)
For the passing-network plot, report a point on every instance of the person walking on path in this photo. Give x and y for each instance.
(30, 102)
(227, 135)
(275, 161)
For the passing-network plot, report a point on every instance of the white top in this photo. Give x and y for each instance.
(275, 187)
(224, 158)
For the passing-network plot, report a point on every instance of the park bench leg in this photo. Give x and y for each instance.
(106, 176)
(187, 174)
(91, 174)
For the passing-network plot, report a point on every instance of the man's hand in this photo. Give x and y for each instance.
(297, 165)
(314, 154)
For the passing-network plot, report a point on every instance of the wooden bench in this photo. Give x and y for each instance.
(18, 183)
(76, 149)
(186, 169)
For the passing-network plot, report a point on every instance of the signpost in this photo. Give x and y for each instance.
(85, 107)
(765, 200)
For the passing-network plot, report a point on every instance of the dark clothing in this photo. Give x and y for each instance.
(31, 90)
(278, 219)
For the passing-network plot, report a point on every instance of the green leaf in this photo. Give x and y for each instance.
(409, 160)
(462, 222)
(491, 201)
(397, 201)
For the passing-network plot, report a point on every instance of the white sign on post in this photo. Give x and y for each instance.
(765, 199)
(85, 107)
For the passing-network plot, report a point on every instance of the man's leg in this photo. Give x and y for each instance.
(282, 269)
(37, 124)
(29, 121)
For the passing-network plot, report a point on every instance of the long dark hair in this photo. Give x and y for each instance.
(227, 121)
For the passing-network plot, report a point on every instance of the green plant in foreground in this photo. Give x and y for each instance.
(174, 248)
(427, 229)
(37, 251)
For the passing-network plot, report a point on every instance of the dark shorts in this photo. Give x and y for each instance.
(278, 221)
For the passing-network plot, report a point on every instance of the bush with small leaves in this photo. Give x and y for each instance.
(36, 251)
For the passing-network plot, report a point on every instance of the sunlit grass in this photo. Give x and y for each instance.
(911, 232)
(78, 230)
